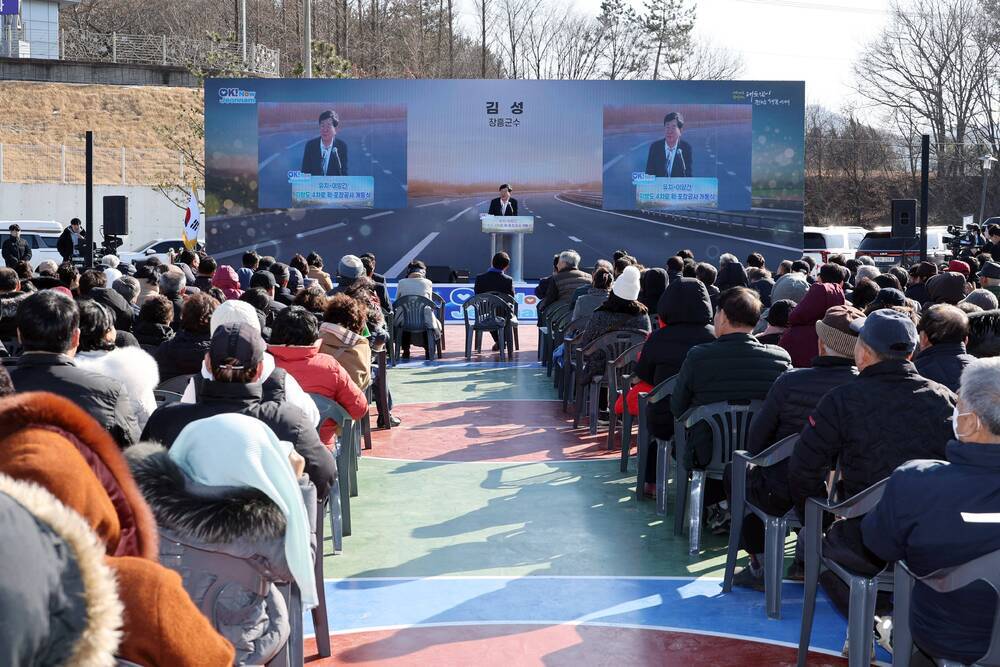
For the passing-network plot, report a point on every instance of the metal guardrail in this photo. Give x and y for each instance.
(82, 45)
(40, 163)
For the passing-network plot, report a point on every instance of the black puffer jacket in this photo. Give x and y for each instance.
(887, 416)
(181, 355)
(150, 333)
(735, 367)
(943, 363)
(731, 274)
(8, 314)
(686, 315)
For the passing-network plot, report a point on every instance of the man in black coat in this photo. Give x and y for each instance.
(325, 155)
(70, 239)
(236, 359)
(48, 325)
(498, 282)
(942, 357)
(868, 427)
(504, 204)
(15, 249)
(670, 156)
(792, 397)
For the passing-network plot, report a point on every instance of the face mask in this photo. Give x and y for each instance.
(954, 423)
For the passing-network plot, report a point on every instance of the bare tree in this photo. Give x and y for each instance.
(703, 61)
(623, 40)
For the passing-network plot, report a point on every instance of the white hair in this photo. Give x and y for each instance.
(727, 258)
(171, 282)
(570, 258)
(866, 271)
(980, 390)
(47, 265)
(110, 261)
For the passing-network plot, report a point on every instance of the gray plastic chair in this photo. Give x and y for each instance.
(619, 376)
(513, 309)
(550, 315)
(164, 397)
(440, 304)
(176, 384)
(613, 345)
(659, 393)
(947, 580)
(730, 426)
(490, 313)
(340, 494)
(861, 609)
(567, 336)
(409, 317)
(775, 527)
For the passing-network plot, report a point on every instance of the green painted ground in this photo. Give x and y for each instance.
(448, 383)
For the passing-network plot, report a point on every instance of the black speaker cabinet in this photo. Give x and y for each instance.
(904, 218)
(116, 215)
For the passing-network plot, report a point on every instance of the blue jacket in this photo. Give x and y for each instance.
(943, 363)
(920, 520)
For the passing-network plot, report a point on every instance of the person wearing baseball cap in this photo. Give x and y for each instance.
(888, 415)
(789, 402)
(989, 278)
(15, 249)
(235, 360)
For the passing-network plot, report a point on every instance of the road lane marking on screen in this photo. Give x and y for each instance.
(246, 248)
(387, 172)
(550, 224)
(731, 173)
(311, 232)
(277, 155)
(405, 260)
(575, 240)
(460, 214)
(432, 203)
(687, 229)
(377, 215)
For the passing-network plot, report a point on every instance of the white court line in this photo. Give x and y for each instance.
(460, 214)
(302, 235)
(405, 260)
(433, 203)
(575, 240)
(687, 229)
(377, 215)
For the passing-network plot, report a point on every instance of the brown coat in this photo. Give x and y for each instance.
(321, 277)
(48, 440)
(351, 350)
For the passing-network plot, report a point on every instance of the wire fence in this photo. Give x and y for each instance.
(40, 163)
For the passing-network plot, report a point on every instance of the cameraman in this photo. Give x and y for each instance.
(993, 245)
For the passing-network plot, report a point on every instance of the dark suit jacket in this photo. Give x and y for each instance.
(312, 159)
(495, 207)
(656, 162)
(494, 281)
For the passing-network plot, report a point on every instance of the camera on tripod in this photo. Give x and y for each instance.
(962, 240)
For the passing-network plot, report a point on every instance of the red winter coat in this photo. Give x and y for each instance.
(228, 281)
(321, 374)
(800, 339)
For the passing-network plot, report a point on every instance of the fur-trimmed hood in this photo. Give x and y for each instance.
(207, 515)
(80, 621)
(49, 440)
(9, 303)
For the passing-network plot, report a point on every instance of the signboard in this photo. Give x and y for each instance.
(966, 221)
(9, 7)
(508, 224)
(332, 191)
(455, 295)
(685, 193)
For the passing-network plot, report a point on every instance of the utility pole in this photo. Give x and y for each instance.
(307, 57)
(243, 29)
(925, 160)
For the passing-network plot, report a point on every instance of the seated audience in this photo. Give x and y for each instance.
(93, 285)
(281, 275)
(171, 284)
(343, 339)
(927, 518)
(48, 327)
(652, 283)
(989, 278)
(566, 279)
(312, 298)
(111, 272)
(128, 288)
(11, 297)
(225, 279)
(946, 287)
(675, 268)
(265, 281)
(776, 318)
(793, 286)
(416, 283)
(942, 357)
(206, 269)
(153, 324)
(761, 282)
(368, 261)
(495, 279)
(187, 262)
(595, 296)
(984, 299)
(731, 274)
(299, 268)
(248, 268)
(800, 338)
(916, 287)
(235, 364)
(583, 289)
(49, 441)
(184, 353)
(621, 312)
(707, 274)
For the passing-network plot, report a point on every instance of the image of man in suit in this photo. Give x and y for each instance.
(670, 157)
(326, 155)
(504, 204)
(496, 281)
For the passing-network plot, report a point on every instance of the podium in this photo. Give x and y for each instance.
(507, 235)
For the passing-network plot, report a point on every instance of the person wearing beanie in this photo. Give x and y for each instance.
(792, 286)
(888, 415)
(349, 269)
(790, 401)
(958, 266)
(983, 298)
(800, 337)
(622, 311)
(989, 278)
(942, 357)
(946, 287)
(887, 297)
(776, 318)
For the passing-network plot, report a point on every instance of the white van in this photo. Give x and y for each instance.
(41, 236)
(821, 242)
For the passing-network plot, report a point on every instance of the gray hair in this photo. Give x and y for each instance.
(866, 271)
(727, 258)
(980, 390)
(47, 266)
(171, 282)
(128, 287)
(110, 261)
(570, 258)
(604, 264)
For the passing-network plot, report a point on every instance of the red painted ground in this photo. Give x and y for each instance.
(455, 346)
(488, 431)
(554, 646)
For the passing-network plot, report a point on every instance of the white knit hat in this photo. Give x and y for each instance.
(627, 284)
(233, 311)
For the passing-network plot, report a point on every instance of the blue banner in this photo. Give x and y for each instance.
(8, 7)
(455, 295)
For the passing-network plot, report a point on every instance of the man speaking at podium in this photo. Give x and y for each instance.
(504, 204)
(670, 157)
(326, 155)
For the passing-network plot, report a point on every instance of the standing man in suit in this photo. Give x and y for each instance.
(495, 280)
(504, 204)
(326, 155)
(670, 156)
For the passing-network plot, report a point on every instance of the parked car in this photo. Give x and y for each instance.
(156, 248)
(41, 236)
(888, 251)
(821, 242)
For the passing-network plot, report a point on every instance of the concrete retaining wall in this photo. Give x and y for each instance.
(51, 71)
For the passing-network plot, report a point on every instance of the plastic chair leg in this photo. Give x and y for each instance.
(336, 516)
(613, 420)
(627, 420)
(479, 342)
(366, 426)
(860, 617)
(695, 504)
(902, 637)
(344, 487)
(680, 493)
(579, 395)
(813, 552)
(662, 474)
(737, 509)
(774, 564)
(468, 342)
(517, 342)
(319, 613)
(595, 401)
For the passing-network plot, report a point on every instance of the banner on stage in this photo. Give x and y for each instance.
(683, 193)
(455, 295)
(332, 191)
(508, 224)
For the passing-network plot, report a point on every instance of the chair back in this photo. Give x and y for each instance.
(661, 391)
(614, 344)
(620, 369)
(409, 313)
(489, 311)
(176, 384)
(330, 409)
(555, 311)
(164, 397)
(730, 426)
